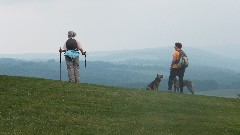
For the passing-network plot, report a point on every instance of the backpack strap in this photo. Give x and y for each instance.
(183, 53)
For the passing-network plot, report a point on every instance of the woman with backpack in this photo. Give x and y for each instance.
(71, 49)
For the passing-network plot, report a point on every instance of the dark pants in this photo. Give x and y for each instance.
(173, 73)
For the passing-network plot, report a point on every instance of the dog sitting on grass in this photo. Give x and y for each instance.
(155, 84)
(187, 83)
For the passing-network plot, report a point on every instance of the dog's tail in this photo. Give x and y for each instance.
(191, 87)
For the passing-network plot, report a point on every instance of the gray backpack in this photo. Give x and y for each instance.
(183, 60)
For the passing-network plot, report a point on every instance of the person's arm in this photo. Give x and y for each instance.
(79, 46)
(174, 59)
(83, 52)
(63, 49)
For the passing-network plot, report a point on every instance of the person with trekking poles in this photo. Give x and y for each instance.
(179, 63)
(71, 49)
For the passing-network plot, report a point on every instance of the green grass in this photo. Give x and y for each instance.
(40, 106)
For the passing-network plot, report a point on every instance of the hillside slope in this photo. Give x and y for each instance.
(40, 106)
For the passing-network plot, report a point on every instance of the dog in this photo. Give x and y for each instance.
(187, 83)
(155, 84)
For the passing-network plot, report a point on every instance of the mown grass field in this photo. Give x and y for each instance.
(40, 106)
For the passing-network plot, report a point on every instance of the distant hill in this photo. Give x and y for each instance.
(130, 68)
(41, 106)
(149, 56)
(32, 56)
(163, 56)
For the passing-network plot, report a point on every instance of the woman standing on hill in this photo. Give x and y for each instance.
(71, 49)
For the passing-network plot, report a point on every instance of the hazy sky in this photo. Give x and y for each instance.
(31, 26)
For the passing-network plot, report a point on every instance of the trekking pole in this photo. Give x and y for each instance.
(85, 60)
(85, 65)
(60, 63)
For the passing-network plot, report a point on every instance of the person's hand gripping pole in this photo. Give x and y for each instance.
(60, 60)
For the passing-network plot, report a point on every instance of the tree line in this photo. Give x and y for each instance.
(122, 75)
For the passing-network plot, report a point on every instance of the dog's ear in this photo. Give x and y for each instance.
(157, 75)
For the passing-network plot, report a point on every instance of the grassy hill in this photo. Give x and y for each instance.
(40, 106)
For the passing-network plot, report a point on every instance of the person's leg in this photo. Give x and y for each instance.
(170, 79)
(76, 69)
(70, 69)
(181, 75)
(174, 88)
(174, 83)
(181, 83)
